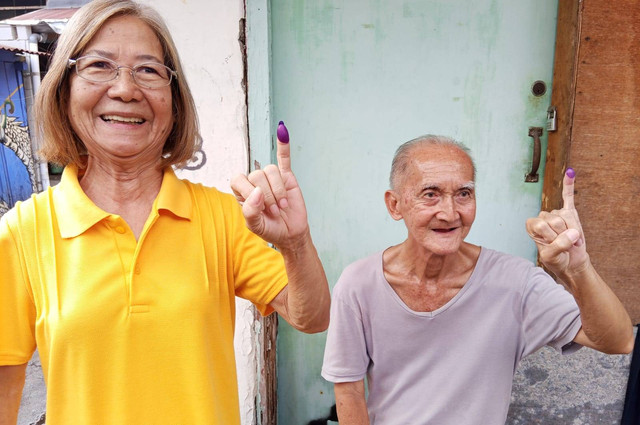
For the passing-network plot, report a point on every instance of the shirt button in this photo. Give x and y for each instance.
(120, 229)
(136, 269)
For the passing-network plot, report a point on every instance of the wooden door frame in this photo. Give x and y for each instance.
(256, 45)
(563, 95)
(267, 405)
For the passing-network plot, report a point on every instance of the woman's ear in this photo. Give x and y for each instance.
(392, 200)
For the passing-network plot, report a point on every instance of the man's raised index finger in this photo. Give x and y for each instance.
(567, 189)
(283, 151)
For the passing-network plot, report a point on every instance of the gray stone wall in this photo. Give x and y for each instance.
(585, 388)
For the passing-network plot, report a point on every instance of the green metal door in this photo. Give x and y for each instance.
(353, 79)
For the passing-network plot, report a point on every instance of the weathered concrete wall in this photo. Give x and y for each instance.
(207, 35)
(34, 395)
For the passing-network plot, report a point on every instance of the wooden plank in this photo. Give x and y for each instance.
(596, 80)
(604, 143)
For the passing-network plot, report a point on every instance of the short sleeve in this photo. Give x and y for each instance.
(17, 311)
(550, 314)
(259, 270)
(345, 355)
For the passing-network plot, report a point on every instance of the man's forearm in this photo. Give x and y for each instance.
(11, 384)
(605, 321)
(351, 403)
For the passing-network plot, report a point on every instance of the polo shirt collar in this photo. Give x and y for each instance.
(74, 210)
(76, 213)
(174, 195)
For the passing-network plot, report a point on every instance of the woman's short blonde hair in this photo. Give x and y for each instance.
(60, 144)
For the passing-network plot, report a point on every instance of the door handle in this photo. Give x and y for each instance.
(534, 132)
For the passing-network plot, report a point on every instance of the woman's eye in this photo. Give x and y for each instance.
(100, 65)
(147, 69)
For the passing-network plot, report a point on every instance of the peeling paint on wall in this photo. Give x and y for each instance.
(381, 73)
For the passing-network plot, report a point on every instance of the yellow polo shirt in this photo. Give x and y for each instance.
(132, 332)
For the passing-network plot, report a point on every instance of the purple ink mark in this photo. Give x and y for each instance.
(283, 133)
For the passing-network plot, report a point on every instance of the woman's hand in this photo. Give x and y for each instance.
(559, 236)
(274, 209)
(273, 205)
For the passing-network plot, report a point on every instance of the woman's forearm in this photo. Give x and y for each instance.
(307, 295)
(11, 384)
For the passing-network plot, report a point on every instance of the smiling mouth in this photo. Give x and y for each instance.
(445, 230)
(119, 119)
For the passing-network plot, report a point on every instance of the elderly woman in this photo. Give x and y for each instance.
(123, 276)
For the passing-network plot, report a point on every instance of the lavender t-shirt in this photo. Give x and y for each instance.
(454, 365)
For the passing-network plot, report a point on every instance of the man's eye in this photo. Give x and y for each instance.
(465, 194)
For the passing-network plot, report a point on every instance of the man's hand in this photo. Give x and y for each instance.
(606, 326)
(558, 234)
(273, 205)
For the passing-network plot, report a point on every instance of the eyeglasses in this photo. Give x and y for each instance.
(151, 75)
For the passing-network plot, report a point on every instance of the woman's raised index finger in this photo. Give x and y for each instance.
(567, 189)
(283, 151)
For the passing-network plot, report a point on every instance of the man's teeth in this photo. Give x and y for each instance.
(122, 119)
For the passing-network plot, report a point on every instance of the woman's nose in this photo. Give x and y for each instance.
(124, 85)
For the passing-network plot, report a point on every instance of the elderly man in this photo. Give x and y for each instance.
(438, 325)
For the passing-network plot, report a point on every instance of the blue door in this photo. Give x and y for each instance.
(17, 165)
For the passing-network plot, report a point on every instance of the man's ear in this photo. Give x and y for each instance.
(392, 201)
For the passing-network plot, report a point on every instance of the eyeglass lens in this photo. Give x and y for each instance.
(95, 68)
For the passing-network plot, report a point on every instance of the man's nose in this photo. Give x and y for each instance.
(447, 209)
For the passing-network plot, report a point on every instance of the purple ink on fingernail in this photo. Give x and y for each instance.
(283, 133)
(571, 173)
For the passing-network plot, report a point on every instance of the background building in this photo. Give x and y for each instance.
(353, 80)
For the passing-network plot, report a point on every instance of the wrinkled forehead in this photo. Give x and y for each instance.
(440, 161)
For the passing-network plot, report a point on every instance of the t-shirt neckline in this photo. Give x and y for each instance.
(429, 314)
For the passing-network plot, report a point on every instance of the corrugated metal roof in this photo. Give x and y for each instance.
(17, 50)
(59, 4)
(43, 15)
(43, 20)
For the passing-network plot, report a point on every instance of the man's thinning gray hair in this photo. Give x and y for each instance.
(403, 154)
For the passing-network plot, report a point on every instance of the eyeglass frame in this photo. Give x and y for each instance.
(132, 71)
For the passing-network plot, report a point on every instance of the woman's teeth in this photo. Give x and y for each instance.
(116, 118)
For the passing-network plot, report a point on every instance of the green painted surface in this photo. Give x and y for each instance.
(354, 79)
